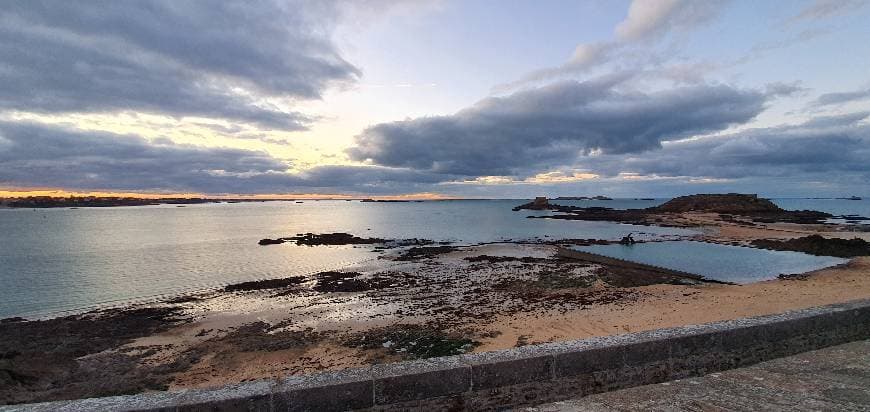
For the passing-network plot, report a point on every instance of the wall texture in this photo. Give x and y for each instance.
(521, 376)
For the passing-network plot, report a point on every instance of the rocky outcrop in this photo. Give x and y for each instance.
(733, 203)
(540, 203)
(313, 239)
(265, 284)
(425, 252)
(338, 239)
(818, 245)
(748, 205)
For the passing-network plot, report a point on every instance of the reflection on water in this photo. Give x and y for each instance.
(53, 260)
(718, 262)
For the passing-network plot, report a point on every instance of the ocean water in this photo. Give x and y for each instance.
(57, 260)
(719, 262)
(832, 206)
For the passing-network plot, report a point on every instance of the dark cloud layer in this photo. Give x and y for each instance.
(554, 125)
(180, 58)
(824, 152)
(38, 155)
(828, 148)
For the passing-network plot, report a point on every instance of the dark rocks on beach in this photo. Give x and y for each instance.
(501, 259)
(818, 245)
(550, 280)
(265, 284)
(350, 282)
(325, 282)
(260, 336)
(425, 252)
(793, 276)
(412, 341)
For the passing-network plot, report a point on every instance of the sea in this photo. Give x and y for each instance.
(63, 260)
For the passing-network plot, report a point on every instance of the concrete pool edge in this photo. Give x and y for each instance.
(617, 262)
(520, 376)
(709, 260)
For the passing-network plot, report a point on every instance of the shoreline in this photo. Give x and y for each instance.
(440, 300)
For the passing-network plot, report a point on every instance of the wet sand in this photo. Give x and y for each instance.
(431, 302)
(663, 306)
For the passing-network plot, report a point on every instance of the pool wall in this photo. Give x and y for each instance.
(617, 262)
(727, 263)
(521, 376)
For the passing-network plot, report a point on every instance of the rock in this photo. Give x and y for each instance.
(265, 284)
(312, 239)
(818, 245)
(330, 282)
(732, 203)
(540, 203)
(425, 252)
(264, 242)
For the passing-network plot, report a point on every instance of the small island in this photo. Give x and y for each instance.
(749, 207)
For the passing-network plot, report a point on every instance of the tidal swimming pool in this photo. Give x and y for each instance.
(719, 262)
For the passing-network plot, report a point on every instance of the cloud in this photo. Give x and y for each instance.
(825, 154)
(190, 58)
(653, 18)
(39, 155)
(647, 21)
(821, 9)
(842, 97)
(554, 125)
(544, 178)
(832, 148)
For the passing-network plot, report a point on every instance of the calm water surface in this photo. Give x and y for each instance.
(55, 260)
(719, 262)
(832, 206)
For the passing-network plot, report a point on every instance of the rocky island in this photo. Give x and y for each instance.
(748, 206)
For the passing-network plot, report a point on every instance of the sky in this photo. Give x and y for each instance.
(472, 98)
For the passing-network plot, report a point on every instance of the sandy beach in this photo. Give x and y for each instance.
(411, 303)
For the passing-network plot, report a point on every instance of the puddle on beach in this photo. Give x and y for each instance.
(719, 262)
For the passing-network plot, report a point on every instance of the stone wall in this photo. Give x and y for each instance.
(521, 376)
